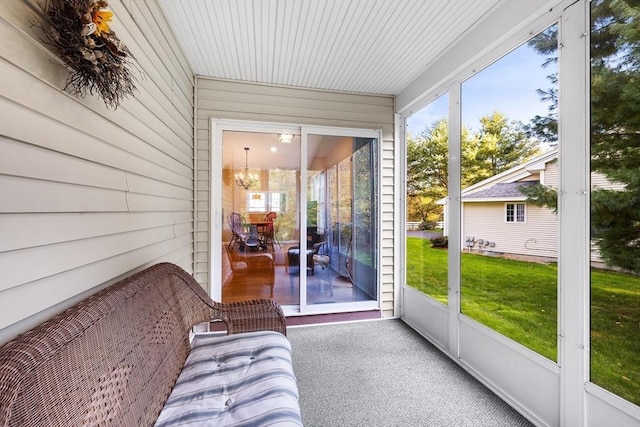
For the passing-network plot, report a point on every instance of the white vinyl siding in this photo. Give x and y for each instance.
(224, 99)
(538, 236)
(550, 174)
(87, 194)
(599, 180)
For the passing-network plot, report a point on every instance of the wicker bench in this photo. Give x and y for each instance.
(127, 353)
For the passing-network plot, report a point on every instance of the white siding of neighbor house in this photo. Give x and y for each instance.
(599, 180)
(549, 176)
(89, 195)
(538, 236)
(224, 99)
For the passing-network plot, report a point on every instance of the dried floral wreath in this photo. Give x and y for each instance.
(99, 62)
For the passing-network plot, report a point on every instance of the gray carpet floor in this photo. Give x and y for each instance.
(382, 373)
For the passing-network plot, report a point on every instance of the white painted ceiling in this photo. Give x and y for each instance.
(364, 46)
(267, 152)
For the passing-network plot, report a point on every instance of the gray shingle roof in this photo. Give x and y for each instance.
(500, 190)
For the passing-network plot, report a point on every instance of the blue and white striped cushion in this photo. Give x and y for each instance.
(236, 380)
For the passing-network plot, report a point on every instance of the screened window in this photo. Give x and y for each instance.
(615, 198)
(508, 121)
(426, 193)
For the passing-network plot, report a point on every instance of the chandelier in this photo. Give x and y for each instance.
(285, 138)
(247, 179)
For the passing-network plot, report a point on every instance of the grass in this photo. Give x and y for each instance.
(519, 300)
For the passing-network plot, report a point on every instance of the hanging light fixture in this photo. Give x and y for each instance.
(285, 138)
(248, 179)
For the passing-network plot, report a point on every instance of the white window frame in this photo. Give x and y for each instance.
(515, 219)
(269, 203)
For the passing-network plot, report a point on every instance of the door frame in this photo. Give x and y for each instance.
(218, 126)
(350, 306)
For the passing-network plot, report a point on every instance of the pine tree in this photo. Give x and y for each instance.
(615, 129)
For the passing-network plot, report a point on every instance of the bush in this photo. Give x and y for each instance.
(427, 225)
(440, 242)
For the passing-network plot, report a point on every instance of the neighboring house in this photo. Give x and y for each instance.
(496, 217)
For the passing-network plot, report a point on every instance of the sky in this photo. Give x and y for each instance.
(508, 85)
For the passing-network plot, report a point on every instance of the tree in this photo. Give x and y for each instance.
(428, 155)
(615, 130)
(499, 145)
(427, 172)
(545, 128)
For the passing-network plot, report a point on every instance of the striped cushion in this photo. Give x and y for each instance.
(235, 380)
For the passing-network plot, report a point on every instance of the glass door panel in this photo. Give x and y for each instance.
(260, 216)
(362, 264)
(341, 219)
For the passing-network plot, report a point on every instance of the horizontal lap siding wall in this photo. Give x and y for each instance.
(538, 236)
(550, 175)
(89, 195)
(262, 103)
(598, 181)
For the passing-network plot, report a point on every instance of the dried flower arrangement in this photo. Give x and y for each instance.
(99, 62)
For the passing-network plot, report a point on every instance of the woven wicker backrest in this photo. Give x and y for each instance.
(112, 359)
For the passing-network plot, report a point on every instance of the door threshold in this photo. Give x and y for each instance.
(312, 319)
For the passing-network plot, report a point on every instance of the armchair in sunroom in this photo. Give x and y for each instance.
(315, 243)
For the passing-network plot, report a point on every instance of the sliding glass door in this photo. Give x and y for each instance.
(297, 216)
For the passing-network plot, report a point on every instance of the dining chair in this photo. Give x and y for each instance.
(236, 224)
(269, 235)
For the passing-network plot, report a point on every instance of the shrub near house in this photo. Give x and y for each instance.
(440, 242)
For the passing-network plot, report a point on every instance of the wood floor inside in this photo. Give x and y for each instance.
(324, 286)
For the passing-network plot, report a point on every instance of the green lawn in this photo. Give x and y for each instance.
(519, 300)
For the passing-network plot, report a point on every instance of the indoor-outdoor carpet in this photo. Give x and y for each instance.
(382, 373)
